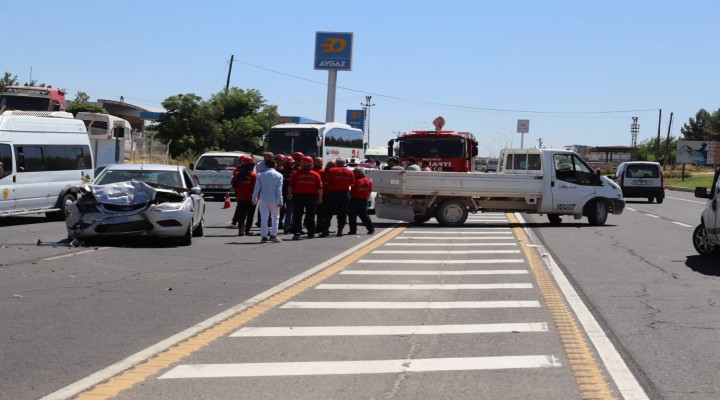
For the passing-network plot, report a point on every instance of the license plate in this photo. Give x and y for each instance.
(641, 182)
(215, 186)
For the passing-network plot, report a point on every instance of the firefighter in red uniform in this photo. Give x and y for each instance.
(338, 180)
(243, 181)
(359, 195)
(305, 191)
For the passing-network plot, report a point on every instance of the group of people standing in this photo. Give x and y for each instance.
(287, 188)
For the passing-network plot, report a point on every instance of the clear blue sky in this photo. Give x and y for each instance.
(564, 65)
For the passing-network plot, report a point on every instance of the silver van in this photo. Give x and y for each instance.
(641, 179)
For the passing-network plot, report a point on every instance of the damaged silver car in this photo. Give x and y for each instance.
(155, 200)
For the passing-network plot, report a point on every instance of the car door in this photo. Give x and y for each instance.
(572, 183)
(711, 214)
(197, 198)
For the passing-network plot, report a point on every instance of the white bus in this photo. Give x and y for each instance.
(45, 158)
(328, 140)
(107, 136)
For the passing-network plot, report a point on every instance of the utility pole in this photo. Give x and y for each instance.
(634, 129)
(657, 145)
(366, 126)
(539, 143)
(667, 141)
(227, 85)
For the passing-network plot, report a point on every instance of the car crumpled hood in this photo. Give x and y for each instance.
(131, 192)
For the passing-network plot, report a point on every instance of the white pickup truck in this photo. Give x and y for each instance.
(537, 181)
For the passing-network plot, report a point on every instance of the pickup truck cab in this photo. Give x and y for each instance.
(706, 237)
(539, 181)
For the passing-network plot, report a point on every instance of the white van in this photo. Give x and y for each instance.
(213, 171)
(706, 237)
(107, 136)
(641, 179)
(45, 158)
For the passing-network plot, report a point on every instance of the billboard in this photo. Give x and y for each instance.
(697, 152)
(333, 50)
(356, 118)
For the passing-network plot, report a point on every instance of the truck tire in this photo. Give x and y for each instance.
(659, 199)
(451, 213)
(597, 213)
(702, 244)
(555, 219)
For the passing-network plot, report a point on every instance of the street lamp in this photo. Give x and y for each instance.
(507, 137)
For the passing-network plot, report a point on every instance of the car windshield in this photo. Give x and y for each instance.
(167, 178)
(216, 162)
(432, 148)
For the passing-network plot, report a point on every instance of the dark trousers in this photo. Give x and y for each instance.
(358, 208)
(335, 203)
(303, 203)
(244, 213)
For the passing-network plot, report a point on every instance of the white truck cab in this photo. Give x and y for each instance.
(706, 237)
(213, 170)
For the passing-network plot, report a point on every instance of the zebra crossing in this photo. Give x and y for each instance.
(451, 305)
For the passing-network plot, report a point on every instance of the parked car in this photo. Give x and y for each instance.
(154, 200)
(706, 237)
(641, 179)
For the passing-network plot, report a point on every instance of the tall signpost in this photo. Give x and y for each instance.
(333, 52)
(523, 127)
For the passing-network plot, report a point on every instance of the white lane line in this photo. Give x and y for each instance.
(689, 201)
(391, 262)
(454, 239)
(630, 208)
(629, 387)
(463, 232)
(445, 252)
(359, 367)
(681, 224)
(75, 254)
(652, 215)
(285, 331)
(390, 286)
(439, 273)
(473, 244)
(409, 305)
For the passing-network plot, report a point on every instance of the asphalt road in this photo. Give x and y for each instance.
(70, 312)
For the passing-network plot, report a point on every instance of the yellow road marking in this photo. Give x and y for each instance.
(166, 358)
(585, 369)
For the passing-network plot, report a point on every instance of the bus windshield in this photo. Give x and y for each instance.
(426, 147)
(288, 141)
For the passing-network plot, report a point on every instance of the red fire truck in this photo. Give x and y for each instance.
(32, 98)
(447, 151)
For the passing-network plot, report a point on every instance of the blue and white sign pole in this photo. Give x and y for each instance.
(333, 52)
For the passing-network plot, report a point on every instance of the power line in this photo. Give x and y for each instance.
(446, 104)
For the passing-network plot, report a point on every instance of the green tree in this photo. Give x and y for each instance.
(230, 120)
(81, 97)
(189, 123)
(75, 108)
(645, 151)
(705, 126)
(8, 80)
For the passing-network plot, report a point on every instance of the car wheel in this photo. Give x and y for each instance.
(659, 199)
(598, 213)
(555, 219)
(200, 229)
(650, 199)
(702, 243)
(186, 240)
(451, 213)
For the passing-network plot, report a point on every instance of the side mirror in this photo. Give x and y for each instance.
(318, 141)
(390, 147)
(261, 141)
(701, 192)
(192, 166)
(195, 190)
(475, 149)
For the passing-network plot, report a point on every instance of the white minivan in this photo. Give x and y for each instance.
(706, 237)
(641, 179)
(213, 171)
(45, 158)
